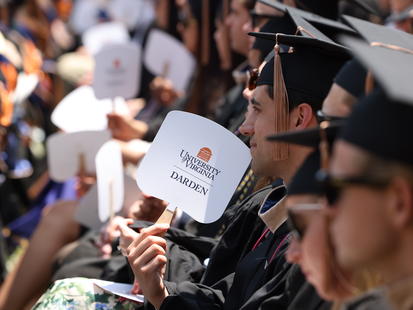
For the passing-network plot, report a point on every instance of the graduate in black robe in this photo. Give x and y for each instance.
(308, 73)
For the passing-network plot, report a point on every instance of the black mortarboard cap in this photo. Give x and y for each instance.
(381, 123)
(400, 16)
(352, 78)
(313, 17)
(370, 7)
(310, 137)
(306, 29)
(378, 33)
(304, 181)
(282, 24)
(382, 126)
(390, 64)
(309, 70)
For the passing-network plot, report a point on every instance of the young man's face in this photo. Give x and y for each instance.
(237, 17)
(260, 123)
(361, 231)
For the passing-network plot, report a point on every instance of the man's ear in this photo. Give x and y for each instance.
(402, 202)
(303, 117)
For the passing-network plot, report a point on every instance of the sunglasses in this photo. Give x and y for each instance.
(334, 186)
(252, 78)
(296, 225)
(322, 117)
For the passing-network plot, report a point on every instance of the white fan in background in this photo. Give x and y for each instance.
(131, 13)
(117, 71)
(109, 176)
(166, 56)
(80, 110)
(71, 154)
(104, 34)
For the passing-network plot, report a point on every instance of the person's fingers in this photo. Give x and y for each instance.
(136, 289)
(139, 263)
(155, 264)
(154, 230)
(127, 235)
(145, 244)
(126, 231)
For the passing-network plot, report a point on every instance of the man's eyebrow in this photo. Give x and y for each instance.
(255, 102)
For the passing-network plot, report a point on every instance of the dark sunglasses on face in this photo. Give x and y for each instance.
(296, 225)
(321, 117)
(333, 186)
(252, 78)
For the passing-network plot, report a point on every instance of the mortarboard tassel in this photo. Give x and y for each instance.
(302, 29)
(281, 149)
(369, 83)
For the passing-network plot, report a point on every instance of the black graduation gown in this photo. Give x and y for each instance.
(256, 278)
(244, 230)
(86, 260)
(252, 268)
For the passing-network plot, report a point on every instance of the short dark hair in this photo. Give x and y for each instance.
(296, 98)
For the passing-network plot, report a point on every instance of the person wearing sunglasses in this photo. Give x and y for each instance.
(370, 197)
(310, 245)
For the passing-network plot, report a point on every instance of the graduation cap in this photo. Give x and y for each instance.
(311, 17)
(276, 24)
(381, 125)
(381, 122)
(369, 7)
(352, 78)
(306, 29)
(378, 33)
(389, 63)
(304, 74)
(304, 181)
(292, 24)
(400, 16)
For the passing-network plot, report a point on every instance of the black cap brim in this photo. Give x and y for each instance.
(292, 40)
(309, 137)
